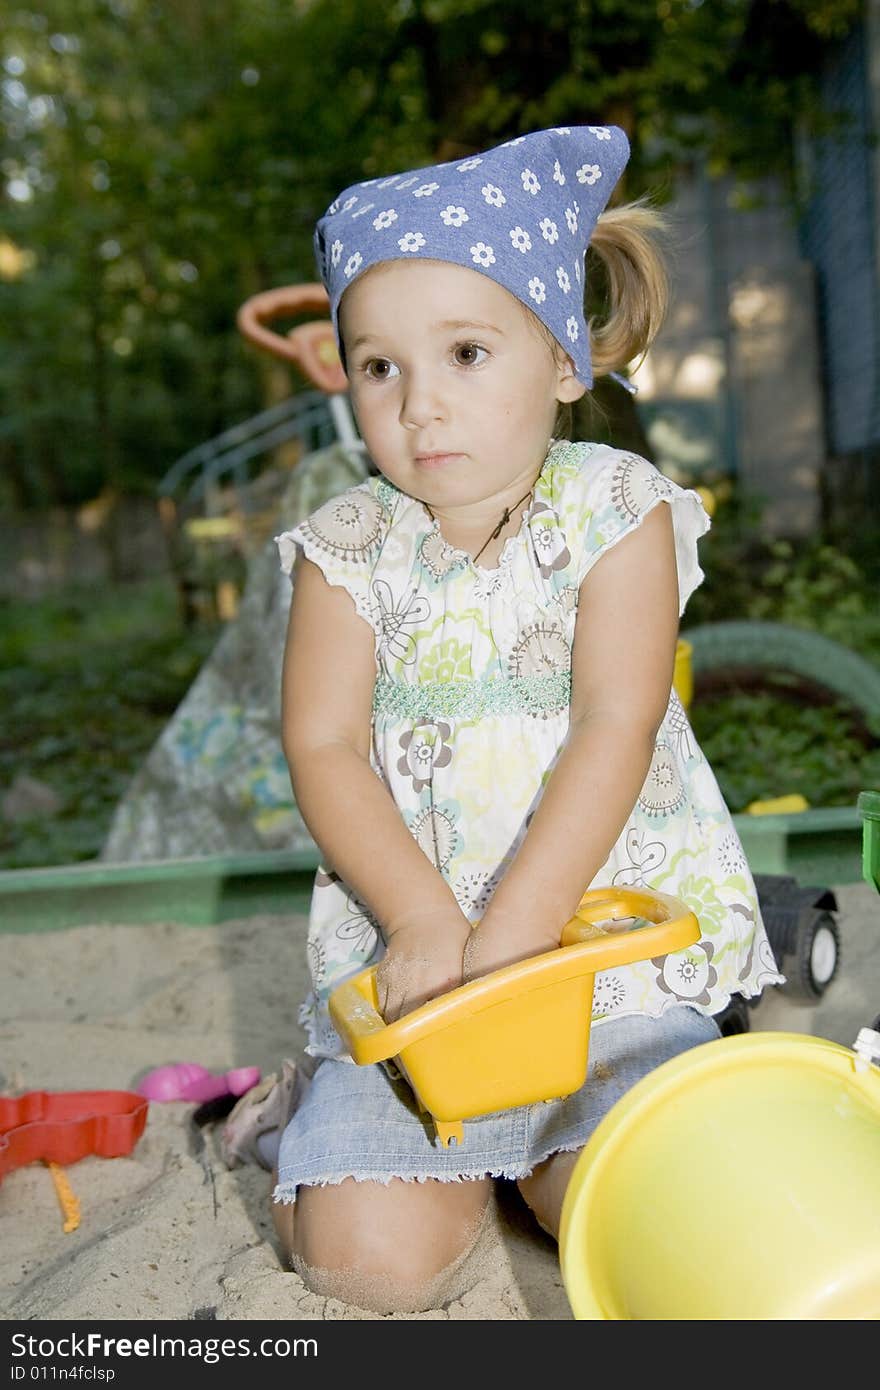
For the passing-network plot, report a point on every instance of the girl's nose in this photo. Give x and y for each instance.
(421, 403)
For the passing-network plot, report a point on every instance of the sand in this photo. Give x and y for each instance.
(169, 1232)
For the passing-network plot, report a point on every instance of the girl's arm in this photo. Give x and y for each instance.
(326, 705)
(622, 664)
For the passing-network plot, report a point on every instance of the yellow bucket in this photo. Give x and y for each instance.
(740, 1180)
(683, 672)
(522, 1033)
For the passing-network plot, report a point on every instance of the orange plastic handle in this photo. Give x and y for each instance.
(310, 346)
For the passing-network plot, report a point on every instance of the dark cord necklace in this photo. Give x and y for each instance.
(499, 528)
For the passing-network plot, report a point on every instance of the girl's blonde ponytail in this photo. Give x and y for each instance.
(627, 240)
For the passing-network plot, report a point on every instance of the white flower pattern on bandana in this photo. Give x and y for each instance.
(411, 241)
(530, 177)
(454, 217)
(384, 219)
(589, 173)
(483, 254)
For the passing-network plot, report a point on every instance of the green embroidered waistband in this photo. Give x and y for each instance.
(544, 694)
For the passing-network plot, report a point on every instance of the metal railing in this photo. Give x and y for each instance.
(313, 417)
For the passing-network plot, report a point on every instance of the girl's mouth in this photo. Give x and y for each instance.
(436, 460)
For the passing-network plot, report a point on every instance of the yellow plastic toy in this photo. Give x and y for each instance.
(683, 672)
(67, 1198)
(740, 1180)
(789, 804)
(522, 1033)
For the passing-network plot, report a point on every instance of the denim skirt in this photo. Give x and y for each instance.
(359, 1122)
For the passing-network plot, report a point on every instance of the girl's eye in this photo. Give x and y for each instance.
(380, 369)
(469, 354)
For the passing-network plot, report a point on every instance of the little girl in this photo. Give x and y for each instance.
(476, 700)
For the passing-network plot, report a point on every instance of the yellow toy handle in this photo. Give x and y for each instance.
(613, 904)
(585, 947)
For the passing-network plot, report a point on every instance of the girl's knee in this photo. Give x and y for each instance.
(544, 1190)
(379, 1288)
(365, 1248)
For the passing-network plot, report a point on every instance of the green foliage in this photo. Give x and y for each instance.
(769, 743)
(165, 162)
(809, 584)
(88, 681)
(763, 745)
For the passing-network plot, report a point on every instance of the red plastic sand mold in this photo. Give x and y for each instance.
(65, 1126)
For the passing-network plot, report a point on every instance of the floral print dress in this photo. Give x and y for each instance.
(471, 707)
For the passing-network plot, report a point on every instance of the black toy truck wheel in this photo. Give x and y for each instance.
(817, 956)
(734, 1017)
(802, 930)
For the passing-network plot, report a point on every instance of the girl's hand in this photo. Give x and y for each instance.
(421, 961)
(494, 944)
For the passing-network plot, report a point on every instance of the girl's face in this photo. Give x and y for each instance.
(453, 385)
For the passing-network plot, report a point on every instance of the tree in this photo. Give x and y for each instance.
(162, 162)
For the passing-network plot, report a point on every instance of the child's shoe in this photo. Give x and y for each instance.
(261, 1112)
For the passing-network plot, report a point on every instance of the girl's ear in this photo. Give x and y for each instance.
(568, 388)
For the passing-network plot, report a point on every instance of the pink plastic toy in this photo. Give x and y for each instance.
(189, 1081)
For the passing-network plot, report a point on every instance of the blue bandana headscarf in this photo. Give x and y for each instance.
(521, 213)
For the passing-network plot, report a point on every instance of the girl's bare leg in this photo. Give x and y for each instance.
(400, 1247)
(544, 1189)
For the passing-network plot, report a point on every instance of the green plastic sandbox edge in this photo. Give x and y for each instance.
(201, 891)
(821, 846)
